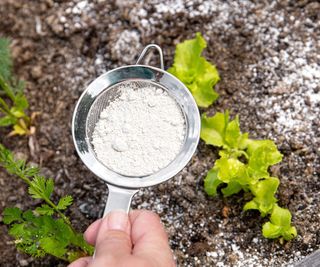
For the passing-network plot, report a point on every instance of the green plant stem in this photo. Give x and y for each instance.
(6, 89)
(25, 118)
(48, 201)
(21, 175)
(24, 126)
(5, 108)
(241, 152)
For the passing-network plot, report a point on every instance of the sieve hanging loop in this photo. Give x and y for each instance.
(145, 50)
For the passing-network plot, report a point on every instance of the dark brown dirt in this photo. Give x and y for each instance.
(58, 57)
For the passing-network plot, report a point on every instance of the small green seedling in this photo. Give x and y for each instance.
(279, 225)
(244, 165)
(13, 102)
(46, 229)
(198, 74)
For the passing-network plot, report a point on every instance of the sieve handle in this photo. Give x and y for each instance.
(119, 199)
(145, 50)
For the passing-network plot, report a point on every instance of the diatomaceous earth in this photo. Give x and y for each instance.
(140, 132)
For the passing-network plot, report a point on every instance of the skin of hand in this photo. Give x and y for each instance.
(122, 240)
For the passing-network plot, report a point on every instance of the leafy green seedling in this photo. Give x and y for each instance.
(262, 154)
(13, 102)
(263, 191)
(46, 229)
(220, 131)
(38, 235)
(244, 165)
(212, 182)
(279, 225)
(199, 75)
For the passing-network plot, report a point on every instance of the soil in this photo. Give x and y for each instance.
(267, 56)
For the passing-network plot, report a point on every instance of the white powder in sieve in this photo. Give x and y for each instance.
(140, 132)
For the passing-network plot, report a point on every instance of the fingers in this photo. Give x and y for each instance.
(113, 239)
(82, 262)
(90, 235)
(150, 239)
(117, 233)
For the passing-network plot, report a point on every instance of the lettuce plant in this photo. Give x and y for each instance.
(244, 165)
(198, 74)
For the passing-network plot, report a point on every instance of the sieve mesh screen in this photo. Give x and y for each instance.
(108, 96)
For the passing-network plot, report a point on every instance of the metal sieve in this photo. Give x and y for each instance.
(104, 90)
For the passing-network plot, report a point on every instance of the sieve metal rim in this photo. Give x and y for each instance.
(102, 83)
(149, 82)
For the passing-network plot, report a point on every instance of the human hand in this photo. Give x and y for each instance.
(121, 240)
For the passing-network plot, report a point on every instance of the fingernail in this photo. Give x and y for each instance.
(117, 220)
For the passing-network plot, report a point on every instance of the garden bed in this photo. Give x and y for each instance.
(267, 58)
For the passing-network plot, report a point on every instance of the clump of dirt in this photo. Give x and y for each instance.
(266, 54)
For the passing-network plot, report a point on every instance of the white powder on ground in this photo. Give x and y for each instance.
(140, 132)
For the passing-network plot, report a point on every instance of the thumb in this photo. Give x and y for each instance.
(113, 240)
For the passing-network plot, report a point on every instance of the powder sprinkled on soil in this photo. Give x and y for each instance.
(264, 51)
(140, 132)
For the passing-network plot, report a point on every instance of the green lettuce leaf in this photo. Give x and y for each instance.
(279, 225)
(213, 128)
(232, 188)
(264, 199)
(262, 155)
(199, 75)
(231, 169)
(218, 130)
(211, 182)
